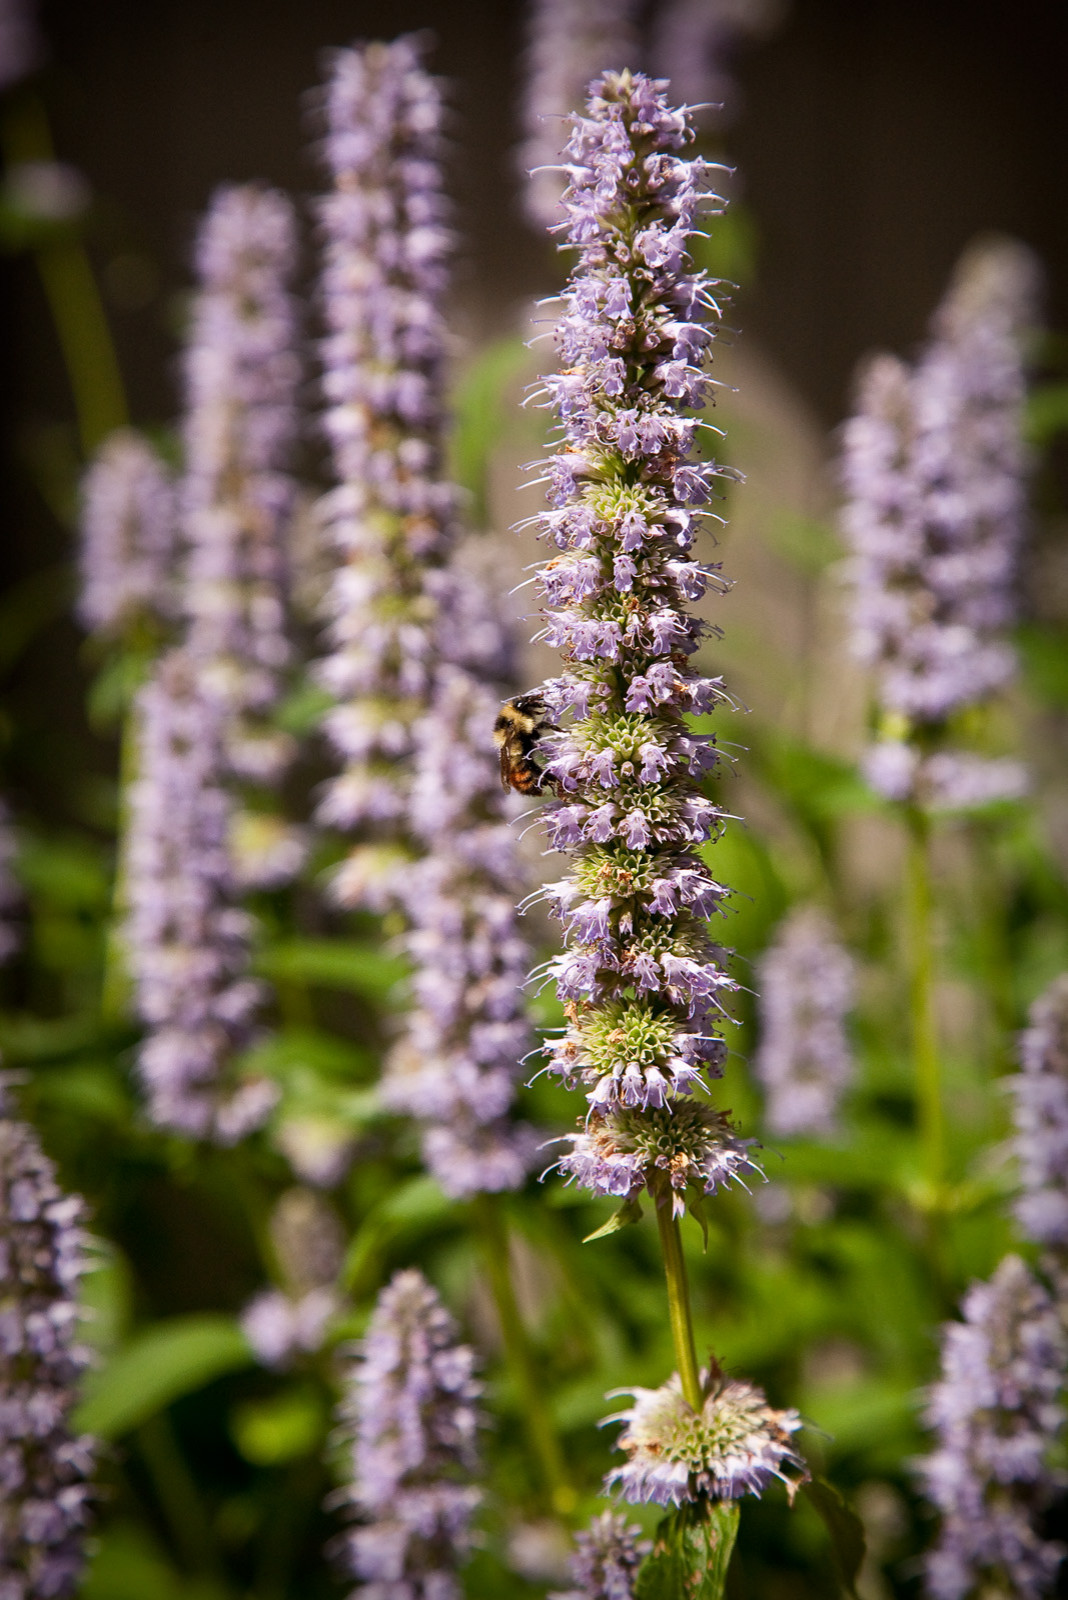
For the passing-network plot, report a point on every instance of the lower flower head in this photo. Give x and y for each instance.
(736, 1444)
(685, 1146)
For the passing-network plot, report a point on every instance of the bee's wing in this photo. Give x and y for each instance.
(506, 766)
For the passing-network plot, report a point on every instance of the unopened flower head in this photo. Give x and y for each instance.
(569, 44)
(642, 984)
(412, 1408)
(128, 537)
(606, 1560)
(390, 517)
(44, 1466)
(804, 1060)
(186, 936)
(685, 1150)
(10, 893)
(996, 1416)
(241, 377)
(935, 473)
(467, 1035)
(736, 1444)
(1040, 1111)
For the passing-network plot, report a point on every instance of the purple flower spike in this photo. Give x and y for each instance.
(241, 378)
(996, 1416)
(570, 42)
(128, 537)
(1040, 1111)
(606, 1560)
(804, 1061)
(44, 1466)
(935, 473)
(412, 1413)
(644, 988)
(391, 515)
(187, 938)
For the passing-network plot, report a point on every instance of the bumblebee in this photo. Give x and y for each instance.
(516, 732)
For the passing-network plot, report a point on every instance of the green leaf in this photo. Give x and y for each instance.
(691, 1554)
(629, 1212)
(167, 1361)
(1046, 414)
(335, 964)
(480, 415)
(284, 1428)
(846, 1530)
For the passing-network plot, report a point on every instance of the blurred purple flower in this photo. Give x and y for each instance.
(186, 937)
(1040, 1112)
(128, 537)
(606, 1559)
(804, 1060)
(935, 473)
(736, 1444)
(241, 377)
(391, 515)
(996, 1416)
(412, 1413)
(694, 45)
(419, 652)
(457, 1065)
(643, 986)
(569, 44)
(21, 45)
(44, 1466)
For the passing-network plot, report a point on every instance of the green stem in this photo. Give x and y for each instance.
(177, 1494)
(679, 1302)
(115, 986)
(921, 998)
(85, 340)
(70, 288)
(519, 1357)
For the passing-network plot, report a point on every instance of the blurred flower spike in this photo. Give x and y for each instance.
(1040, 1112)
(606, 1560)
(997, 1415)
(413, 1413)
(44, 1465)
(736, 1444)
(935, 473)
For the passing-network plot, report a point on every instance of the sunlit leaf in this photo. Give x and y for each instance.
(335, 964)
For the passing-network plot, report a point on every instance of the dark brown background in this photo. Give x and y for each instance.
(876, 137)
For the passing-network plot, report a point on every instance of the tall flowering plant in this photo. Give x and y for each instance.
(645, 989)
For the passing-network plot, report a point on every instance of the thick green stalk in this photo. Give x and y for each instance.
(71, 291)
(926, 1066)
(178, 1496)
(519, 1357)
(679, 1302)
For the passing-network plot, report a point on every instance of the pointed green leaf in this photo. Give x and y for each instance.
(846, 1530)
(691, 1554)
(171, 1359)
(630, 1211)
